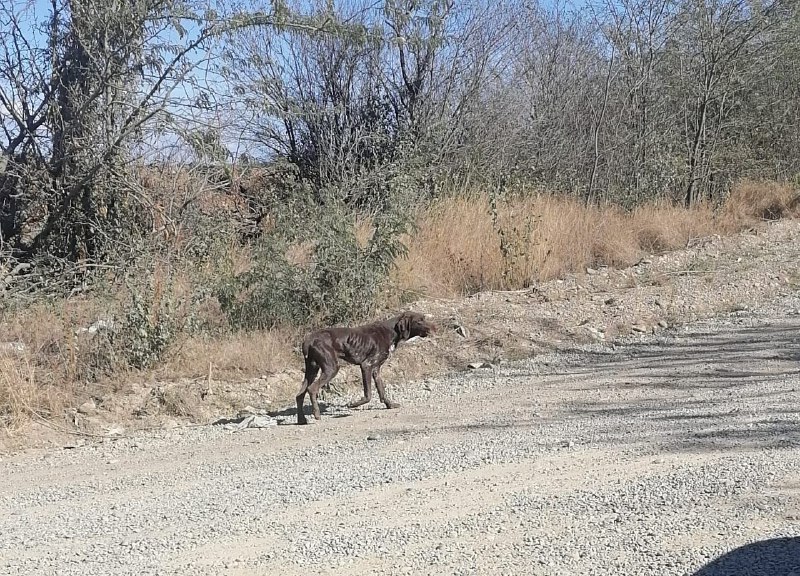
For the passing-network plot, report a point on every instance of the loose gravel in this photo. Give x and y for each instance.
(655, 454)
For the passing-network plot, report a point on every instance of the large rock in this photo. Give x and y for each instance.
(88, 408)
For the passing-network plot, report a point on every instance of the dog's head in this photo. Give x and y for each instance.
(411, 324)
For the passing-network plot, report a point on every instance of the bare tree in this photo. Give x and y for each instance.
(563, 70)
(82, 89)
(390, 104)
(712, 47)
(638, 31)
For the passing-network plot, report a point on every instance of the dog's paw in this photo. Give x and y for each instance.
(359, 402)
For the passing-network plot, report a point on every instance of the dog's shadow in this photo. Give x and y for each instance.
(327, 410)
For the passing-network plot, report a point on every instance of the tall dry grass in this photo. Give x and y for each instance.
(231, 356)
(48, 363)
(463, 246)
(754, 201)
(19, 393)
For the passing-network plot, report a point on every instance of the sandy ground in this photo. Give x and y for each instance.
(658, 454)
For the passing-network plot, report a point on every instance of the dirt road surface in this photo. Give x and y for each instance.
(657, 456)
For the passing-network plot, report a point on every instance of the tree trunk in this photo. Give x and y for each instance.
(698, 145)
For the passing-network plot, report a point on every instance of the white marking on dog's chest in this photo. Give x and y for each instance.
(391, 349)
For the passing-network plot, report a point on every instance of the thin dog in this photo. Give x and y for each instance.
(367, 346)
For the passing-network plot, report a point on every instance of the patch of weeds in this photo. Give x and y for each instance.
(698, 265)
(514, 245)
(152, 321)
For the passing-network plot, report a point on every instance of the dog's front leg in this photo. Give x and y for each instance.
(376, 375)
(366, 381)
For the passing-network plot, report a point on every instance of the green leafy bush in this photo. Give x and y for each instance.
(151, 323)
(337, 280)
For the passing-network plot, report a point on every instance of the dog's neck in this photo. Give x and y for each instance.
(397, 338)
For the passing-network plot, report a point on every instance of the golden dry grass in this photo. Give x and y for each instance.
(459, 249)
(47, 332)
(56, 362)
(662, 227)
(752, 201)
(19, 393)
(233, 355)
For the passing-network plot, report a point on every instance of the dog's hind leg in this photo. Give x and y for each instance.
(328, 374)
(311, 373)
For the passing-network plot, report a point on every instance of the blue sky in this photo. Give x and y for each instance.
(35, 13)
(33, 16)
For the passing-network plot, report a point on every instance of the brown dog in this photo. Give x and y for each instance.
(368, 346)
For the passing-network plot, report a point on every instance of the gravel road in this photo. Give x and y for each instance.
(654, 456)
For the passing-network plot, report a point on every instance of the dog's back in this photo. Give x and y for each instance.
(350, 344)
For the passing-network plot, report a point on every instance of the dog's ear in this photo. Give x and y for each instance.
(403, 326)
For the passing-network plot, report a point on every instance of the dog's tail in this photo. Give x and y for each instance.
(307, 343)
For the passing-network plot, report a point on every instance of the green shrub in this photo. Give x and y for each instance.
(151, 323)
(339, 281)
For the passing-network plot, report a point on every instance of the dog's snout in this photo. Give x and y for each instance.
(426, 327)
